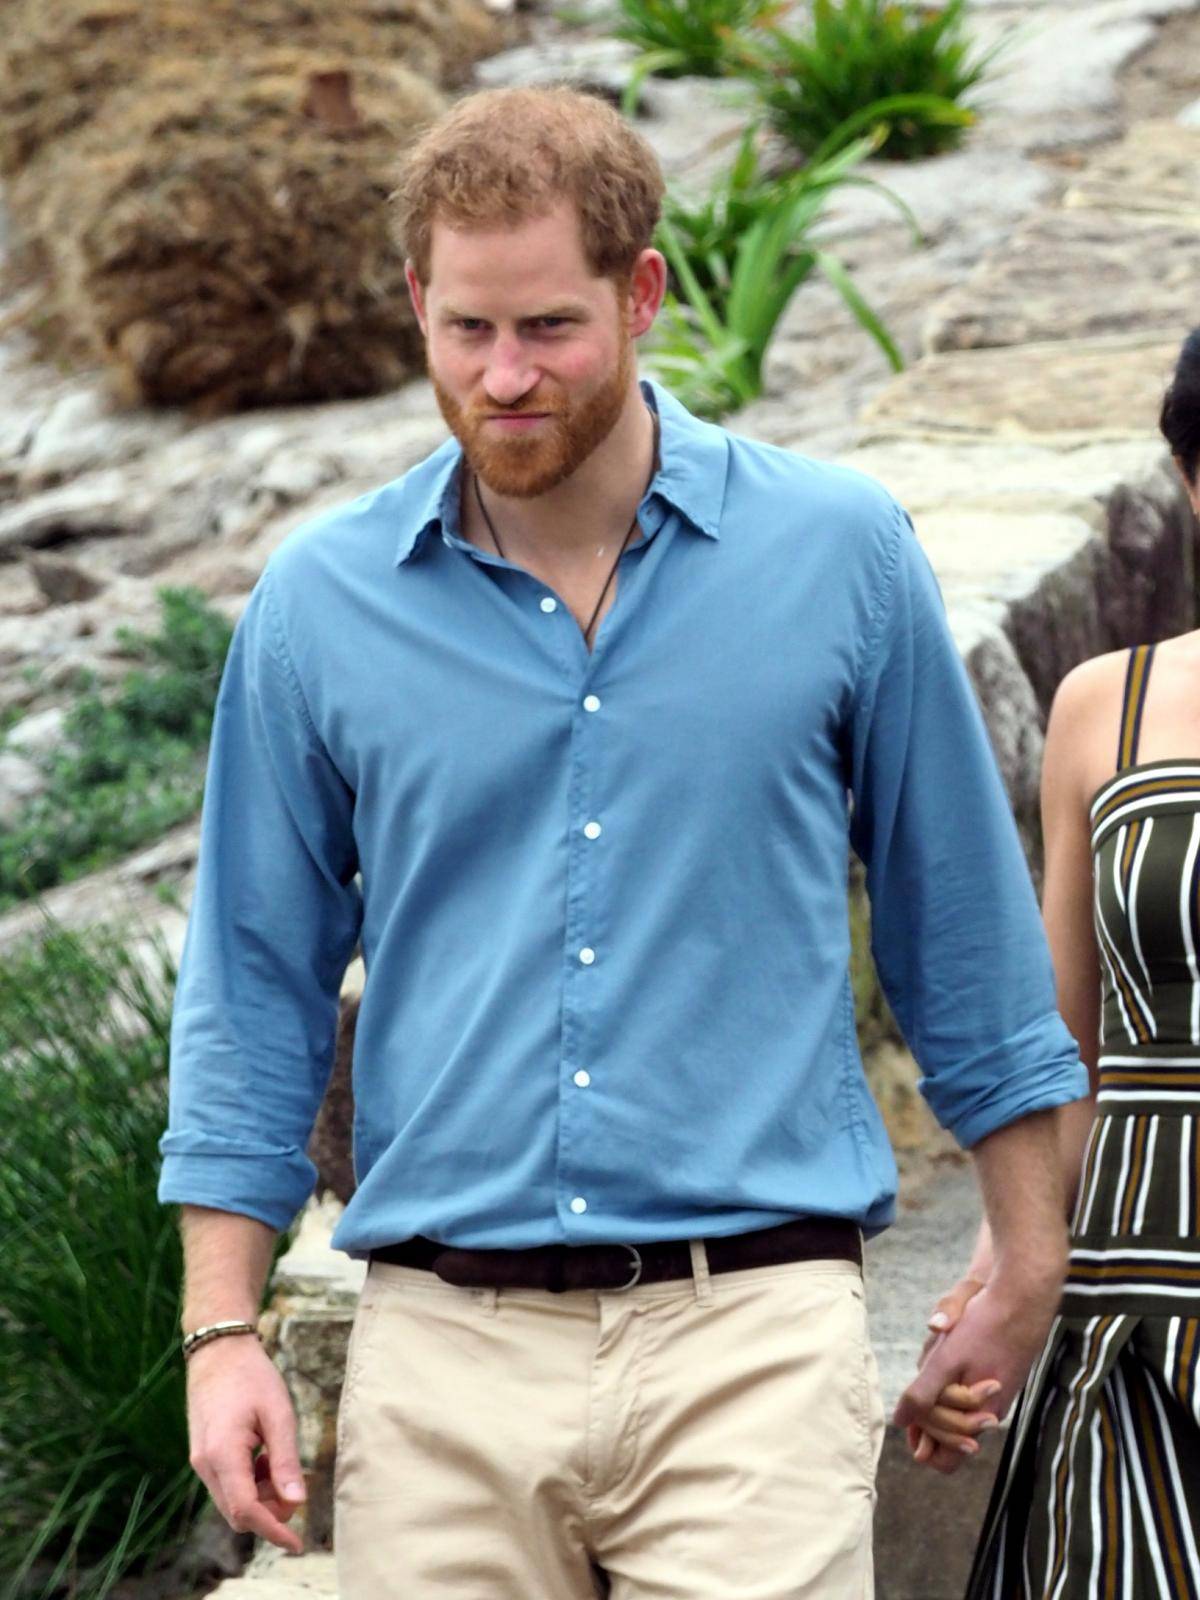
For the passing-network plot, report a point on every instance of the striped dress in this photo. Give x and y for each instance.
(1098, 1491)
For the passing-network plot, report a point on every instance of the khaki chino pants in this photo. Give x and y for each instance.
(704, 1439)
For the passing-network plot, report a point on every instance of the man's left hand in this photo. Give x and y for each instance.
(999, 1333)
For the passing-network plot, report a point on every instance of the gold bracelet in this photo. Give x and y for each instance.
(215, 1330)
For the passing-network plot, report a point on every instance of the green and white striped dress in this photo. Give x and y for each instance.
(1098, 1492)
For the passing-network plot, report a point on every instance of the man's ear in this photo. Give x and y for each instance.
(416, 296)
(647, 286)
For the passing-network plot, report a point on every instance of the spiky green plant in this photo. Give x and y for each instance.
(862, 62)
(701, 37)
(94, 1479)
(737, 258)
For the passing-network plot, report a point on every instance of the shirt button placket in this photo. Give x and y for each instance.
(581, 954)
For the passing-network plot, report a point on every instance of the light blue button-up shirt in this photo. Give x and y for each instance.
(601, 898)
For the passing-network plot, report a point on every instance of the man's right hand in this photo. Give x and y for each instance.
(237, 1402)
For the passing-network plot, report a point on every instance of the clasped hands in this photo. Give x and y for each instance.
(983, 1338)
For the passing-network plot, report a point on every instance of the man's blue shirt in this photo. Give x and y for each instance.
(601, 898)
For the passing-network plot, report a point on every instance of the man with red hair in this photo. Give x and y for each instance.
(572, 726)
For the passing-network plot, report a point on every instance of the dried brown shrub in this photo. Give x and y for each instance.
(232, 247)
(61, 59)
(201, 185)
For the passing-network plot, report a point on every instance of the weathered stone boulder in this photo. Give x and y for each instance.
(1152, 169)
(1075, 275)
(1064, 391)
(307, 1329)
(64, 582)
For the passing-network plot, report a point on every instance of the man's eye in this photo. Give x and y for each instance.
(470, 324)
(550, 323)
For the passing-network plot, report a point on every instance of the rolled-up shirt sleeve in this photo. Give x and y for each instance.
(956, 933)
(274, 920)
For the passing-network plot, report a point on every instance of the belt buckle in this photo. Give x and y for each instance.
(622, 1288)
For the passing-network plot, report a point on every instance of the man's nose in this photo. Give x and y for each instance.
(509, 375)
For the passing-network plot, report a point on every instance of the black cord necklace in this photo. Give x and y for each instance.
(612, 571)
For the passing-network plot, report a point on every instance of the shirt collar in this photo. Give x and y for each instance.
(692, 473)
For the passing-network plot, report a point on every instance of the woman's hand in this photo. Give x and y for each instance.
(948, 1311)
(960, 1414)
(957, 1418)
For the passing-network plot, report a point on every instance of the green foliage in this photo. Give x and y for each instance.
(736, 259)
(864, 62)
(95, 1477)
(132, 762)
(700, 37)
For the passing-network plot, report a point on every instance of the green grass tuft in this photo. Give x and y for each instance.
(697, 37)
(95, 1480)
(132, 764)
(862, 62)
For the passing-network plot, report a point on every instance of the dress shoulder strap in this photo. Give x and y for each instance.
(1137, 676)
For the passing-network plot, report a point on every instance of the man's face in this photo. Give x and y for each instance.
(530, 353)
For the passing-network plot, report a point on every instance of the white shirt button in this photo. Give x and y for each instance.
(591, 702)
(549, 604)
(592, 830)
(579, 1205)
(587, 956)
(582, 1079)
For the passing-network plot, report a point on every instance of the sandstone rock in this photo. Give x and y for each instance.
(384, 449)
(1153, 169)
(113, 895)
(20, 781)
(40, 734)
(994, 188)
(285, 1578)
(601, 65)
(311, 1355)
(312, 1270)
(170, 856)
(1118, 591)
(211, 571)
(1068, 391)
(29, 389)
(20, 593)
(1073, 275)
(307, 1328)
(63, 582)
(1153, 552)
(293, 475)
(1014, 723)
(96, 507)
(693, 125)
(85, 431)
(16, 431)
(1012, 476)
(1056, 84)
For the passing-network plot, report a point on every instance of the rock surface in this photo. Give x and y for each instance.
(1077, 274)
(1066, 392)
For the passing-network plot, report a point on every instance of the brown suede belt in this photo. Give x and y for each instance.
(557, 1267)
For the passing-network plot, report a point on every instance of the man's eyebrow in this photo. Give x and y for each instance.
(566, 308)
